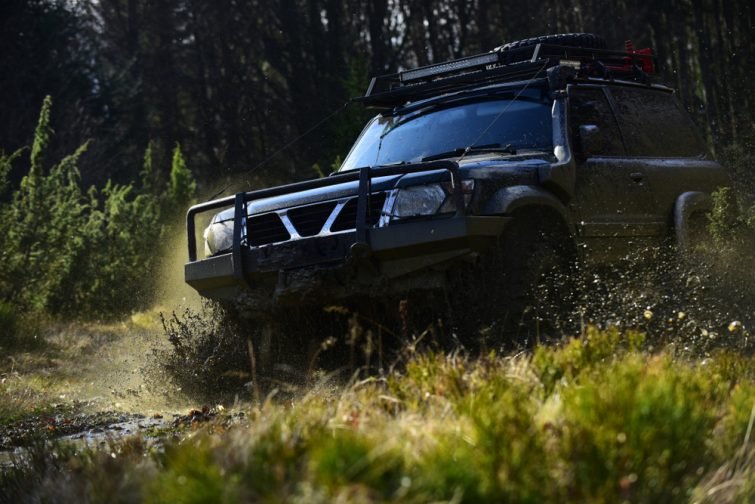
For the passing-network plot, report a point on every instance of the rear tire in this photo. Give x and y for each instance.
(697, 235)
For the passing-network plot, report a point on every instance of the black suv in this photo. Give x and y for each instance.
(477, 178)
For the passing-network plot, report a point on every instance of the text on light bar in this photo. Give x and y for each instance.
(451, 66)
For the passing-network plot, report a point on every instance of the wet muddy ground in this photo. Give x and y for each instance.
(64, 424)
(102, 428)
(91, 384)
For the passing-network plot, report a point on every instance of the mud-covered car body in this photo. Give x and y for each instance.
(605, 155)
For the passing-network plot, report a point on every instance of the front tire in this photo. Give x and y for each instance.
(521, 291)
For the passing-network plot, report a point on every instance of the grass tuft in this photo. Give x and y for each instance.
(599, 418)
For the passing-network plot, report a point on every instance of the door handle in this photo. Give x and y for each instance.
(637, 176)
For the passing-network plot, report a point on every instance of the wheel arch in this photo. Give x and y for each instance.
(686, 206)
(519, 200)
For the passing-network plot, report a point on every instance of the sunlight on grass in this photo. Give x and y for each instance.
(596, 419)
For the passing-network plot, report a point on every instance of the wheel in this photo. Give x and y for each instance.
(697, 235)
(521, 291)
(539, 259)
(283, 342)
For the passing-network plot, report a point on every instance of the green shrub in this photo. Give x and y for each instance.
(500, 458)
(6, 163)
(427, 375)
(181, 187)
(276, 458)
(89, 253)
(579, 354)
(347, 458)
(734, 425)
(732, 221)
(746, 493)
(192, 475)
(637, 431)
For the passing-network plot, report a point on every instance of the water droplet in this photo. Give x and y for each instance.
(735, 326)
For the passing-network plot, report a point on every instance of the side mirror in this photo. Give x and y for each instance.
(589, 139)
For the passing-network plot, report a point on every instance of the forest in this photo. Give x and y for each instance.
(234, 82)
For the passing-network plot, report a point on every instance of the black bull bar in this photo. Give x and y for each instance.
(364, 175)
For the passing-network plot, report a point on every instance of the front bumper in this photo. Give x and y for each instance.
(397, 258)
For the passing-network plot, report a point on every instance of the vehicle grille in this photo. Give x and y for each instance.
(347, 219)
(266, 228)
(309, 220)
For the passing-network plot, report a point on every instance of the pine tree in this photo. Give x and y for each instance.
(182, 187)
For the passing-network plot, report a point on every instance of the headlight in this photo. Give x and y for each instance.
(418, 200)
(429, 199)
(218, 237)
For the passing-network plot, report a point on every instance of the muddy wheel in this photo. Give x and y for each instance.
(696, 236)
(282, 343)
(537, 261)
(522, 291)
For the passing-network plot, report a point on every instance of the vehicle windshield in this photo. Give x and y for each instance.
(523, 122)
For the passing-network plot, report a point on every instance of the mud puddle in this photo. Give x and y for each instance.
(89, 427)
(103, 429)
(91, 384)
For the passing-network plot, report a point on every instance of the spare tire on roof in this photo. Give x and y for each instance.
(589, 40)
(586, 40)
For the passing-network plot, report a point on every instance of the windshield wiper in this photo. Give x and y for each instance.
(496, 147)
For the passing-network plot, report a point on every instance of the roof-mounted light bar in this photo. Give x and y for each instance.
(449, 67)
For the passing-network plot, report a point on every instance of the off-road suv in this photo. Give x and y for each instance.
(478, 177)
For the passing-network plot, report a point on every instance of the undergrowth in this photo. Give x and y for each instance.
(71, 251)
(599, 418)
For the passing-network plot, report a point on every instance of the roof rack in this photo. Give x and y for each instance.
(506, 65)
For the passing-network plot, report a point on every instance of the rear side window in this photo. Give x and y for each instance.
(654, 124)
(589, 106)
